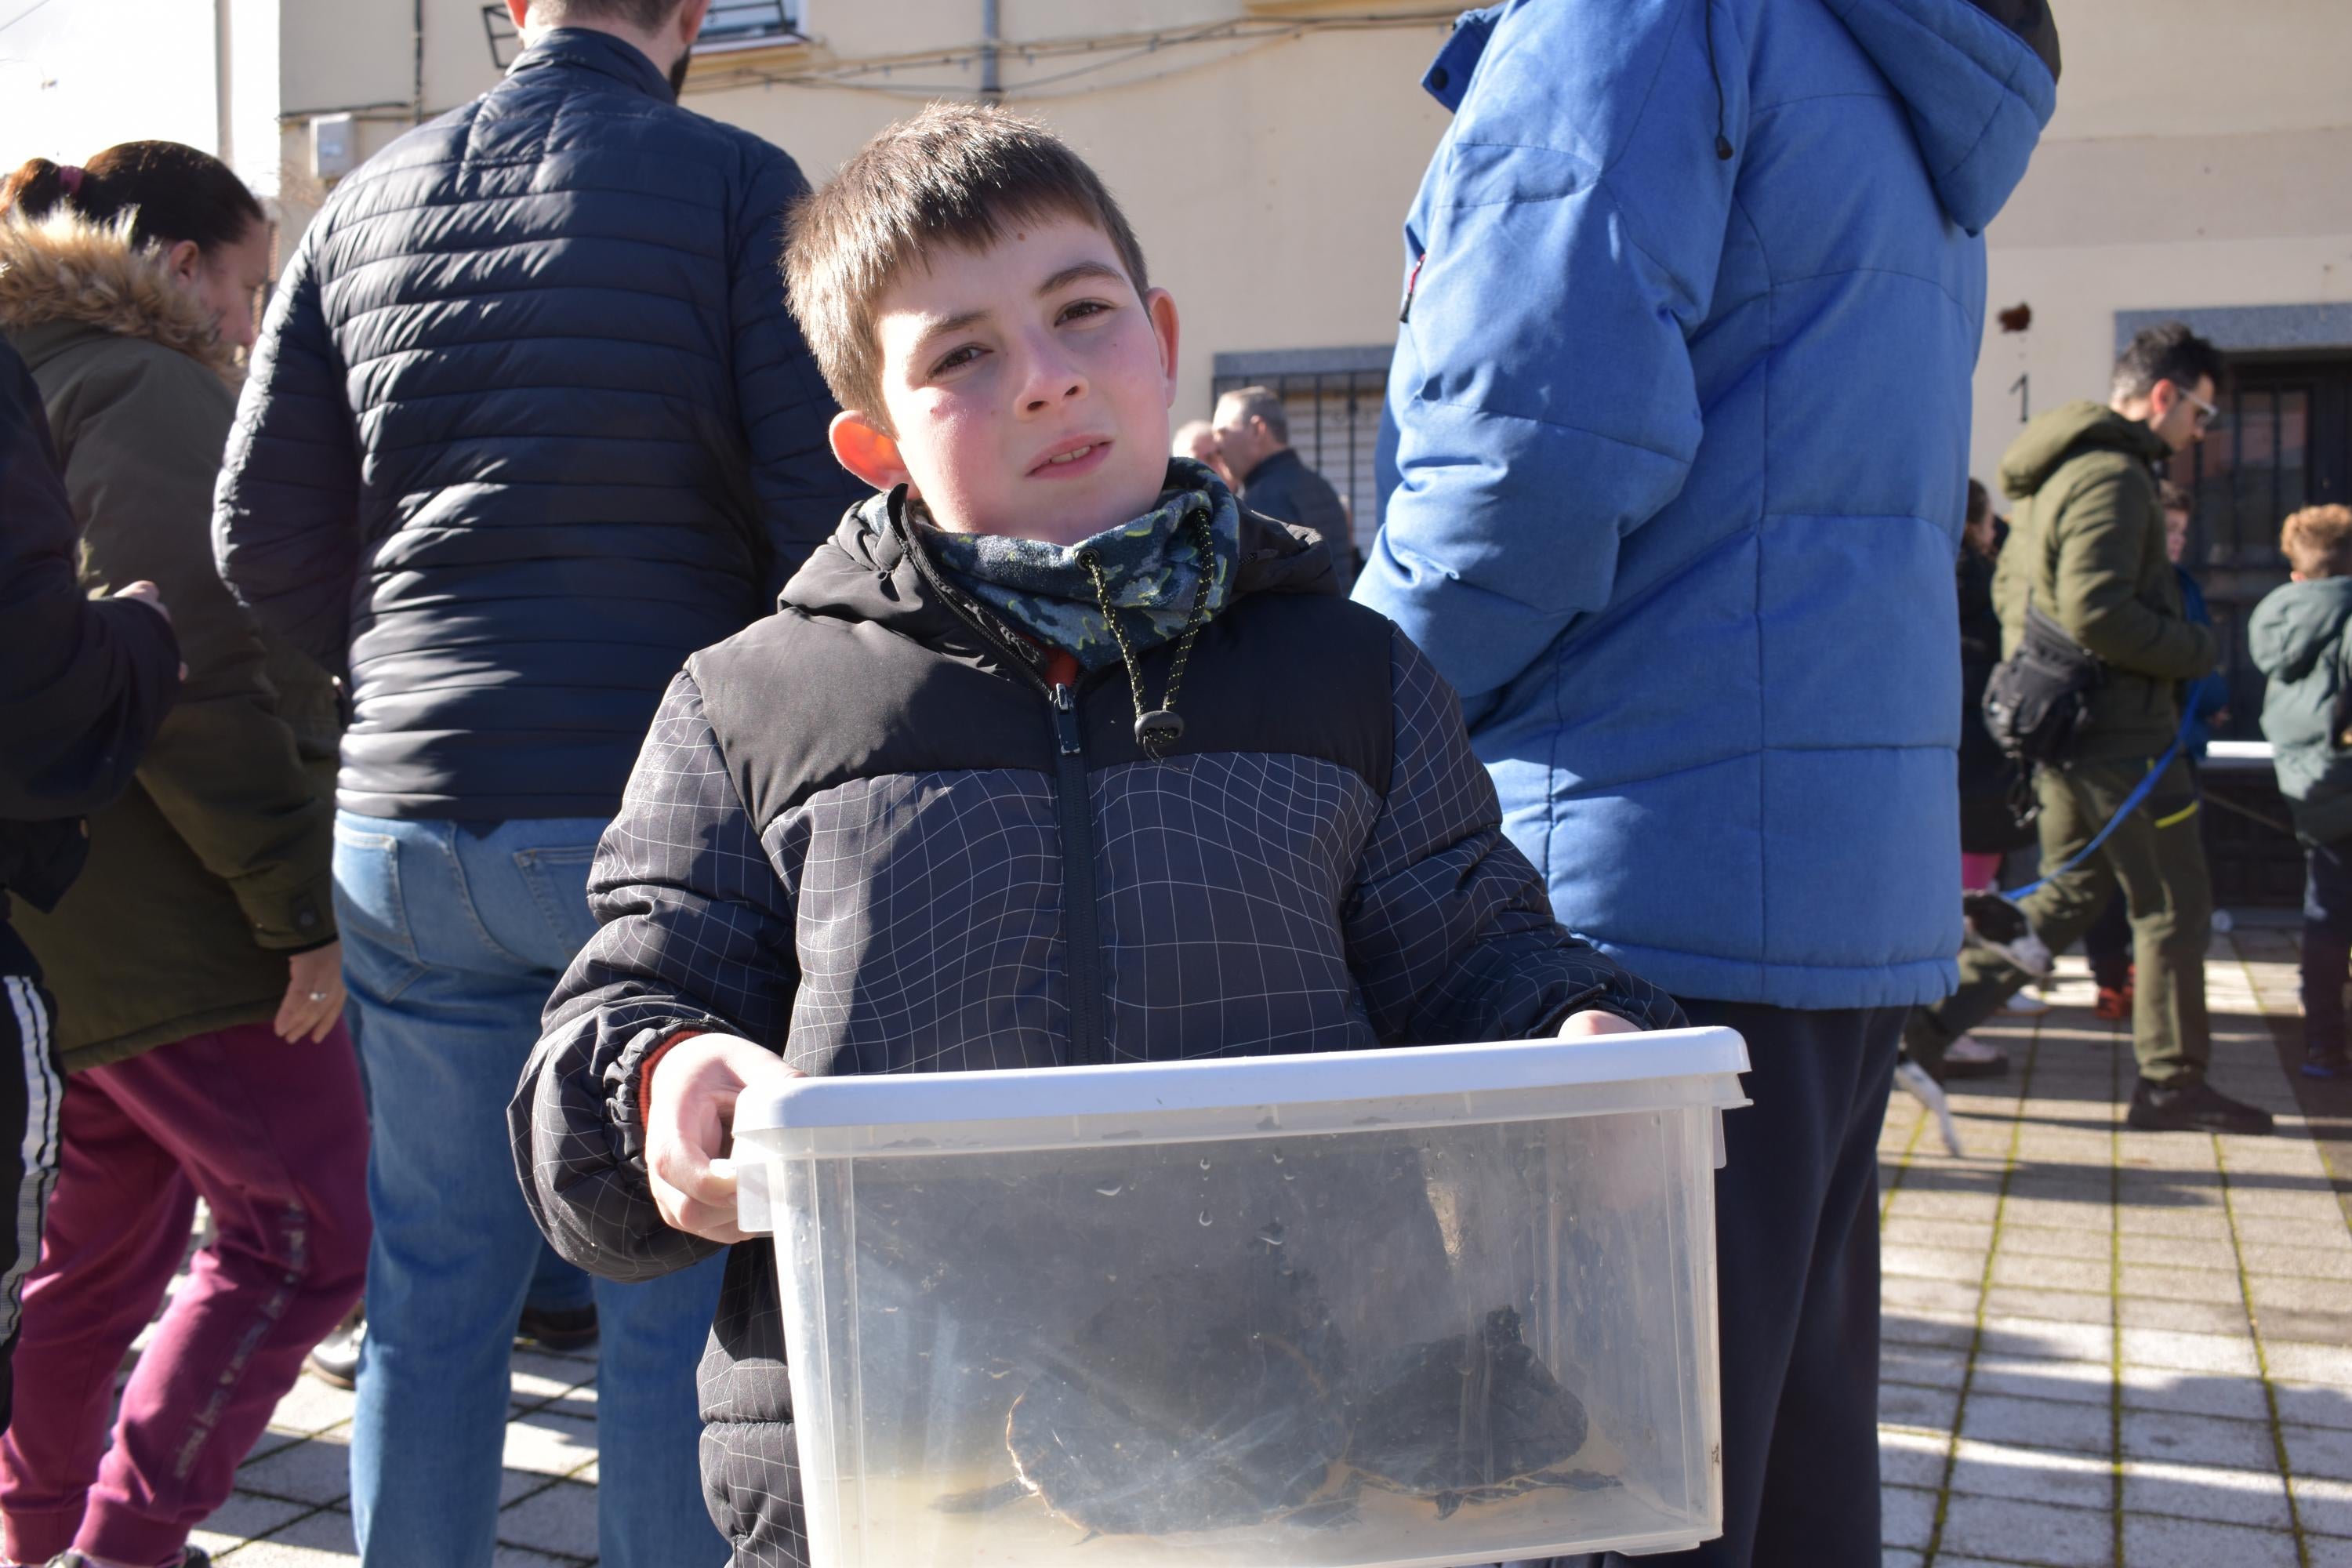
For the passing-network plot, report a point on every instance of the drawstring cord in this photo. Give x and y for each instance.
(1722, 142)
(1157, 728)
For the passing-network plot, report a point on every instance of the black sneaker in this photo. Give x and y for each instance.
(2319, 1062)
(2194, 1107)
(557, 1329)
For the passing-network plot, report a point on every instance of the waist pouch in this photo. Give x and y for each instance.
(2037, 700)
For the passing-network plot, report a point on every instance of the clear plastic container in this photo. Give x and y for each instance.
(1403, 1308)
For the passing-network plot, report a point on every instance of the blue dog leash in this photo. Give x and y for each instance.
(2132, 802)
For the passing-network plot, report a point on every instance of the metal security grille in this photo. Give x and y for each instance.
(743, 21)
(1333, 399)
(2286, 443)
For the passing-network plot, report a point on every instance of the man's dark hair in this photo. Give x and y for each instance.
(2168, 353)
(645, 16)
(1262, 403)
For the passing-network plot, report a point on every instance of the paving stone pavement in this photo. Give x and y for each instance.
(2107, 1348)
(2102, 1348)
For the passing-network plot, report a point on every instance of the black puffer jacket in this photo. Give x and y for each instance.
(529, 423)
(83, 684)
(874, 871)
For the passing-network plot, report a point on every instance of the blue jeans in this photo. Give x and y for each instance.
(453, 938)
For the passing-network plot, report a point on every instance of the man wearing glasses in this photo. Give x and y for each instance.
(2088, 550)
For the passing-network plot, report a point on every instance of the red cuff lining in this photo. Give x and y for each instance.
(645, 1073)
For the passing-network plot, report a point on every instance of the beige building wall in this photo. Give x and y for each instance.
(2201, 157)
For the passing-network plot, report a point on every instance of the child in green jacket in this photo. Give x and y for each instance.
(2299, 639)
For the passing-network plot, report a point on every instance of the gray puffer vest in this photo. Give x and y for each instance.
(867, 832)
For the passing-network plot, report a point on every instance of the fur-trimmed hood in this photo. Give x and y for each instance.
(64, 267)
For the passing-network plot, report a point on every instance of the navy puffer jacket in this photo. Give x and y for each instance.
(529, 423)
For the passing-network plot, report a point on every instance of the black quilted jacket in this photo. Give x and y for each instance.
(923, 860)
(529, 423)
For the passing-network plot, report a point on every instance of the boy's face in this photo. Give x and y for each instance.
(1025, 388)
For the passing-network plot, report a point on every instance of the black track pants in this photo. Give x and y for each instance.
(1797, 1253)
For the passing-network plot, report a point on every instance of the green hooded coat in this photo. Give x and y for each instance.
(215, 865)
(2297, 638)
(2088, 546)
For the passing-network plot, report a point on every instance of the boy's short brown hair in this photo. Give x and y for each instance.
(955, 175)
(2318, 541)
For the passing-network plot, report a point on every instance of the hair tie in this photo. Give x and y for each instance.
(69, 179)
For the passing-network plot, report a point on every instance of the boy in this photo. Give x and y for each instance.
(1052, 755)
(2297, 637)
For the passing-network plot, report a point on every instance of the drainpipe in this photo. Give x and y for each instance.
(416, 90)
(991, 34)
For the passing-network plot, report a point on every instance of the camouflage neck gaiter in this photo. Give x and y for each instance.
(1151, 566)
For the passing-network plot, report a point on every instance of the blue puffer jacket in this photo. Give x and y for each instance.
(529, 423)
(1675, 457)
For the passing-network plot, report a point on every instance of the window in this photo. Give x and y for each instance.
(734, 23)
(1333, 398)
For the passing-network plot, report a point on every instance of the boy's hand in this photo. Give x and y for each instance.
(690, 1123)
(1578, 1025)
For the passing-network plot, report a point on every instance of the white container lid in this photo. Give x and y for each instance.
(1241, 1097)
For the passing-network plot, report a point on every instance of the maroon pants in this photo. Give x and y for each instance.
(273, 1137)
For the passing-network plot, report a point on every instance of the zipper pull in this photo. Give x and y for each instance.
(1065, 719)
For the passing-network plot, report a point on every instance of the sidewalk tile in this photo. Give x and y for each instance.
(1930, 1409)
(2059, 1537)
(2057, 1341)
(2036, 1475)
(548, 1444)
(1912, 1459)
(315, 1470)
(2195, 1393)
(2038, 1424)
(2166, 1283)
(2059, 1306)
(2318, 1451)
(2323, 1505)
(1906, 1516)
(2230, 1354)
(2314, 1404)
(2178, 1252)
(561, 1520)
(2151, 1541)
(2172, 1437)
(2207, 1491)
(2181, 1317)
(2300, 1363)
(1926, 1366)
(2045, 1273)
(2026, 1377)
(1930, 1263)
(242, 1518)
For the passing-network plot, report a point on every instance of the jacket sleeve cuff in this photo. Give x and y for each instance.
(294, 920)
(630, 1074)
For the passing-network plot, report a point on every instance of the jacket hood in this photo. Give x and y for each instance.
(1978, 91)
(2296, 626)
(2062, 432)
(865, 572)
(64, 268)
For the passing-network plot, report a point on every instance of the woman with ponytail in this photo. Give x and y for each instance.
(195, 962)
